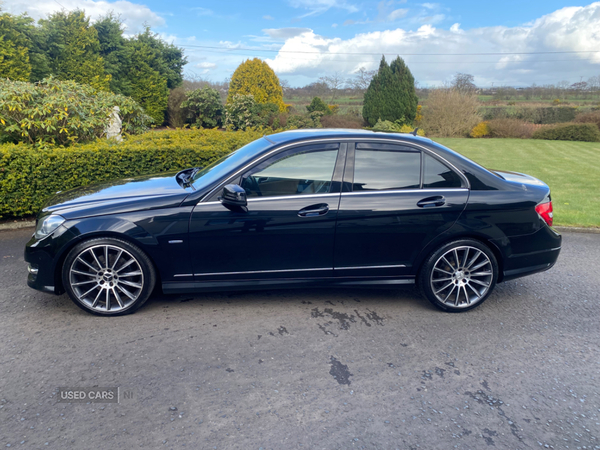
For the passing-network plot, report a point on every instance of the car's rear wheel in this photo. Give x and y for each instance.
(108, 276)
(459, 275)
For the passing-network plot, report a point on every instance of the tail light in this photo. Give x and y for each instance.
(545, 212)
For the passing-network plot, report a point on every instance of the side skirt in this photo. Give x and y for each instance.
(180, 287)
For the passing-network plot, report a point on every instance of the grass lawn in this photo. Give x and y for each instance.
(571, 169)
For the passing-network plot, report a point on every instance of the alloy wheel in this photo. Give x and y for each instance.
(106, 278)
(462, 277)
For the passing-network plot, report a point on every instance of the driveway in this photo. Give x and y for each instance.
(323, 369)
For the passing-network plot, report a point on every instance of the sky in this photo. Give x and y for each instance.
(502, 43)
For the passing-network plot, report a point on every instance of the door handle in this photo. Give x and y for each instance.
(431, 202)
(314, 210)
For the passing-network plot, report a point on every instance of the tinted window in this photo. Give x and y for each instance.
(297, 174)
(437, 175)
(378, 170)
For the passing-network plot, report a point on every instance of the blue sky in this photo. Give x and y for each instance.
(305, 39)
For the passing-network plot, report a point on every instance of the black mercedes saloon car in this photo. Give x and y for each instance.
(337, 208)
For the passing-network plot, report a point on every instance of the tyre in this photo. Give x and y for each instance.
(108, 276)
(459, 275)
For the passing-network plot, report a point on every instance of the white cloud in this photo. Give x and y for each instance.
(203, 11)
(267, 17)
(133, 15)
(320, 6)
(397, 14)
(206, 65)
(285, 33)
(567, 29)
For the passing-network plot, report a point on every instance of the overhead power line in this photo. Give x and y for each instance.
(227, 49)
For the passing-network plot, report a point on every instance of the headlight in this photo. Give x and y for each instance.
(48, 225)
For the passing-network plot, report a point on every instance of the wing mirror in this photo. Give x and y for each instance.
(234, 198)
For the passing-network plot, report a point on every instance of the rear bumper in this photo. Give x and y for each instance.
(532, 253)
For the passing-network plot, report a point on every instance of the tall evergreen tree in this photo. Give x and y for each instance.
(14, 47)
(73, 49)
(391, 94)
(115, 53)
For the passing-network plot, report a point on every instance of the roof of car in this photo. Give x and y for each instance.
(301, 135)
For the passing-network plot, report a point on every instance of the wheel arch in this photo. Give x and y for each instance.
(60, 259)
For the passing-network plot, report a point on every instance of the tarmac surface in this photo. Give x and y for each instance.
(308, 369)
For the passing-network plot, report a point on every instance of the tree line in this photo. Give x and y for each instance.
(68, 46)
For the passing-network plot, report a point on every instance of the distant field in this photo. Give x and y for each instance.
(571, 169)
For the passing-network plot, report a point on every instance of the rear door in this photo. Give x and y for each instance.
(395, 199)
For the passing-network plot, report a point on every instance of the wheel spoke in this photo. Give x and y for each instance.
(127, 293)
(479, 282)
(106, 256)
(95, 303)
(83, 282)
(118, 297)
(449, 293)
(480, 265)
(84, 295)
(481, 274)
(445, 287)
(474, 259)
(107, 299)
(442, 270)
(85, 274)
(464, 288)
(437, 280)
(128, 263)
(91, 250)
(474, 290)
(130, 274)
(129, 283)
(448, 262)
(116, 259)
(466, 257)
(86, 263)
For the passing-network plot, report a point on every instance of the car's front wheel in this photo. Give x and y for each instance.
(108, 276)
(459, 276)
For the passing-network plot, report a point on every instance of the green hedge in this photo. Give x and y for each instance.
(538, 115)
(587, 132)
(28, 175)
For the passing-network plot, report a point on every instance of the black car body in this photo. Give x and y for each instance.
(316, 207)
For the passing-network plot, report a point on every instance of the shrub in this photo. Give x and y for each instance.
(537, 114)
(176, 115)
(587, 132)
(255, 77)
(239, 112)
(62, 112)
(511, 128)
(391, 94)
(318, 105)
(342, 121)
(589, 117)
(449, 113)
(480, 130)
(391, 127)
(28, 175)
(298, 121)
(205, 107)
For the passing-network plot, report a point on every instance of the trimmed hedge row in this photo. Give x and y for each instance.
(29, 176)
(586, 132)
(538, 115)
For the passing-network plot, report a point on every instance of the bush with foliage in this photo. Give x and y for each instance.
(587, 132)
(391, 94)
(62, 112)
(535, 114)
(342, 121)
(14, 47)
(318, 105)
(205, 106)
(239, 112)
(396, 127)
(511, 128)
(300, 121)
(450, 113)
(176, 116)
(589, 117)
(29, 176)
(480, 130)
(255, 77)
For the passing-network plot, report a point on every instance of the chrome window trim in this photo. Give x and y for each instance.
(400, 191)
(277, 197)
(340, 140)
(183, 275)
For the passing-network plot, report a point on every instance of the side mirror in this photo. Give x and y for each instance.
(234, 198)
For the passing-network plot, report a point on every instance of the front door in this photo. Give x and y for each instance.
(396, 200)
(288, 229)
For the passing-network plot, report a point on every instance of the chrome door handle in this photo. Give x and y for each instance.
(314, 210)
(431, 202)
